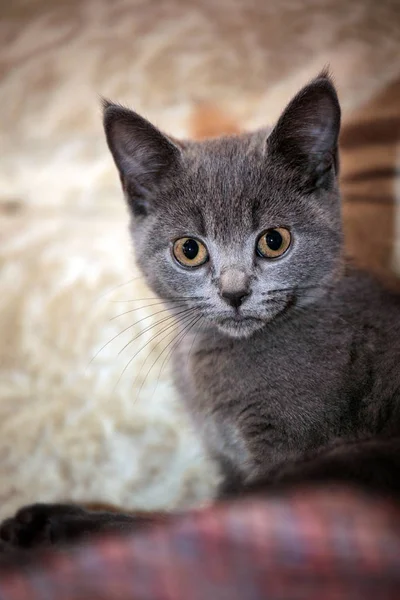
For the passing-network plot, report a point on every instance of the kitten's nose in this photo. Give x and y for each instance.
(234, 287)
(235, 299)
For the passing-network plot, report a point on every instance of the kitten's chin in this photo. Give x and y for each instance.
(240, 329)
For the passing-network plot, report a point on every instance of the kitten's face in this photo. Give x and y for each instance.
(236, 231)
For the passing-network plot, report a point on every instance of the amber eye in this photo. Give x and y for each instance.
(190, 252)
(273, 242)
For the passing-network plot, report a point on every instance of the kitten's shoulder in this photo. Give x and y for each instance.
(359, 288)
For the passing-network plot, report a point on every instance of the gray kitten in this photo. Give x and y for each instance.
(288, 357)
(284, 348)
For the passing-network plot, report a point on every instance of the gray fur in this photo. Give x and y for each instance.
(311, 355)
(298, 380)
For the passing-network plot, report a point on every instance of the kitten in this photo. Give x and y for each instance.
(284, 347)
(286, 352)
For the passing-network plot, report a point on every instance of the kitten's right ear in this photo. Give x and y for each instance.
(142, 154)
(306, 135)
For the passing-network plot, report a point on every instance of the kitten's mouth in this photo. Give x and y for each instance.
(239, 325)
(238, 318)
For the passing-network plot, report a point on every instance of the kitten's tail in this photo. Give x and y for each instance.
(209, 121)
(370, 464)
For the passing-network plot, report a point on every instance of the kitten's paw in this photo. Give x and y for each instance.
(40, 524)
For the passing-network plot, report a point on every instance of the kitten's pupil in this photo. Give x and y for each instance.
(190, 249)
(274, 240)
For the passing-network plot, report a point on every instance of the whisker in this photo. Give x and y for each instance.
(164, 349)
(291, 289)
(173, 348)
(176, 299)
(191, 348)
(138, 308)
(170, 326)
(273, 300)
(123, 331)
(167, 318)
(119, 286)
(183, 320)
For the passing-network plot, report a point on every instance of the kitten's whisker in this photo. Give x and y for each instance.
(170, 353)
(120, 285)
(186, 326)
(170, 326)
(123, 331)
(274, 300)
(149, 327)
(165, 300)
(293, 289)
(154, 304)
(140, 308)
(191, 348)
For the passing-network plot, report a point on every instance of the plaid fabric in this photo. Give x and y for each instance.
(308, 544)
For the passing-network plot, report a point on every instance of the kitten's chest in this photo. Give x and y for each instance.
(279, 370)
(271, 396)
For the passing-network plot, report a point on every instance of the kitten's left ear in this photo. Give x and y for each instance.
(142, 154)
(306, 135)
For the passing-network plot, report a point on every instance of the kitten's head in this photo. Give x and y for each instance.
(239, 229)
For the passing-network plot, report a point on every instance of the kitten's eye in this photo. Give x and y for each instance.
(273, 242)
(190, 252)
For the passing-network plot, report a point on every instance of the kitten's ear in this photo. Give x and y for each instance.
(306, 135)
(142, 154)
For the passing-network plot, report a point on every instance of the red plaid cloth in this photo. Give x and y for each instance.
(308, 544)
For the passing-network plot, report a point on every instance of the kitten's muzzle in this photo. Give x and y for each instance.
(235, 299)
(234, 287)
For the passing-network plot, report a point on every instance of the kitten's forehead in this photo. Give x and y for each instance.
(224, 179)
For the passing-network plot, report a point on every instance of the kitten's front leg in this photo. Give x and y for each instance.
(48, 524)
(244, 446)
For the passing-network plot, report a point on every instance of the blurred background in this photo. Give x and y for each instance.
(79, 419)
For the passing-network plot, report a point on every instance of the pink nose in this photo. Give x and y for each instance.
(234, 286)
